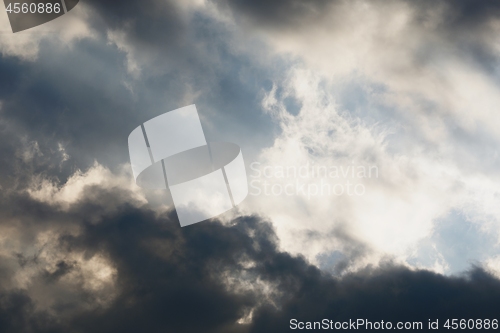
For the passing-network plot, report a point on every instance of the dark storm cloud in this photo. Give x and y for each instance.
(80, 96)
(173, 279)
(390, 293)
(17, 315)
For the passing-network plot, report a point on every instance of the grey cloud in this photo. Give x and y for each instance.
(391, 293)
(466, 13)
(17, 315)
(279, 13)
(173, 279)
(461, 25)
(84, 98)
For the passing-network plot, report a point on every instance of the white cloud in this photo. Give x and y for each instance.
(398, 209)
(65, 195)
(415, 61)
(438, 123)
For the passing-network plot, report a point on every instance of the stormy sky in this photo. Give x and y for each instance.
(410, 89)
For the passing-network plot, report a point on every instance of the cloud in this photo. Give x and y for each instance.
(393, 293)
(278, 14)
(47, 191)
(408, 86)
(90, 93)
(386, 217)
(414, 85)
(130, 268)
(434, 60)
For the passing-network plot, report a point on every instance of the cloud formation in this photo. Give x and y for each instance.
(410, 87)
(129, 268)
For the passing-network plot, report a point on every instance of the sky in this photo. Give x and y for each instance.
(369, 131)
